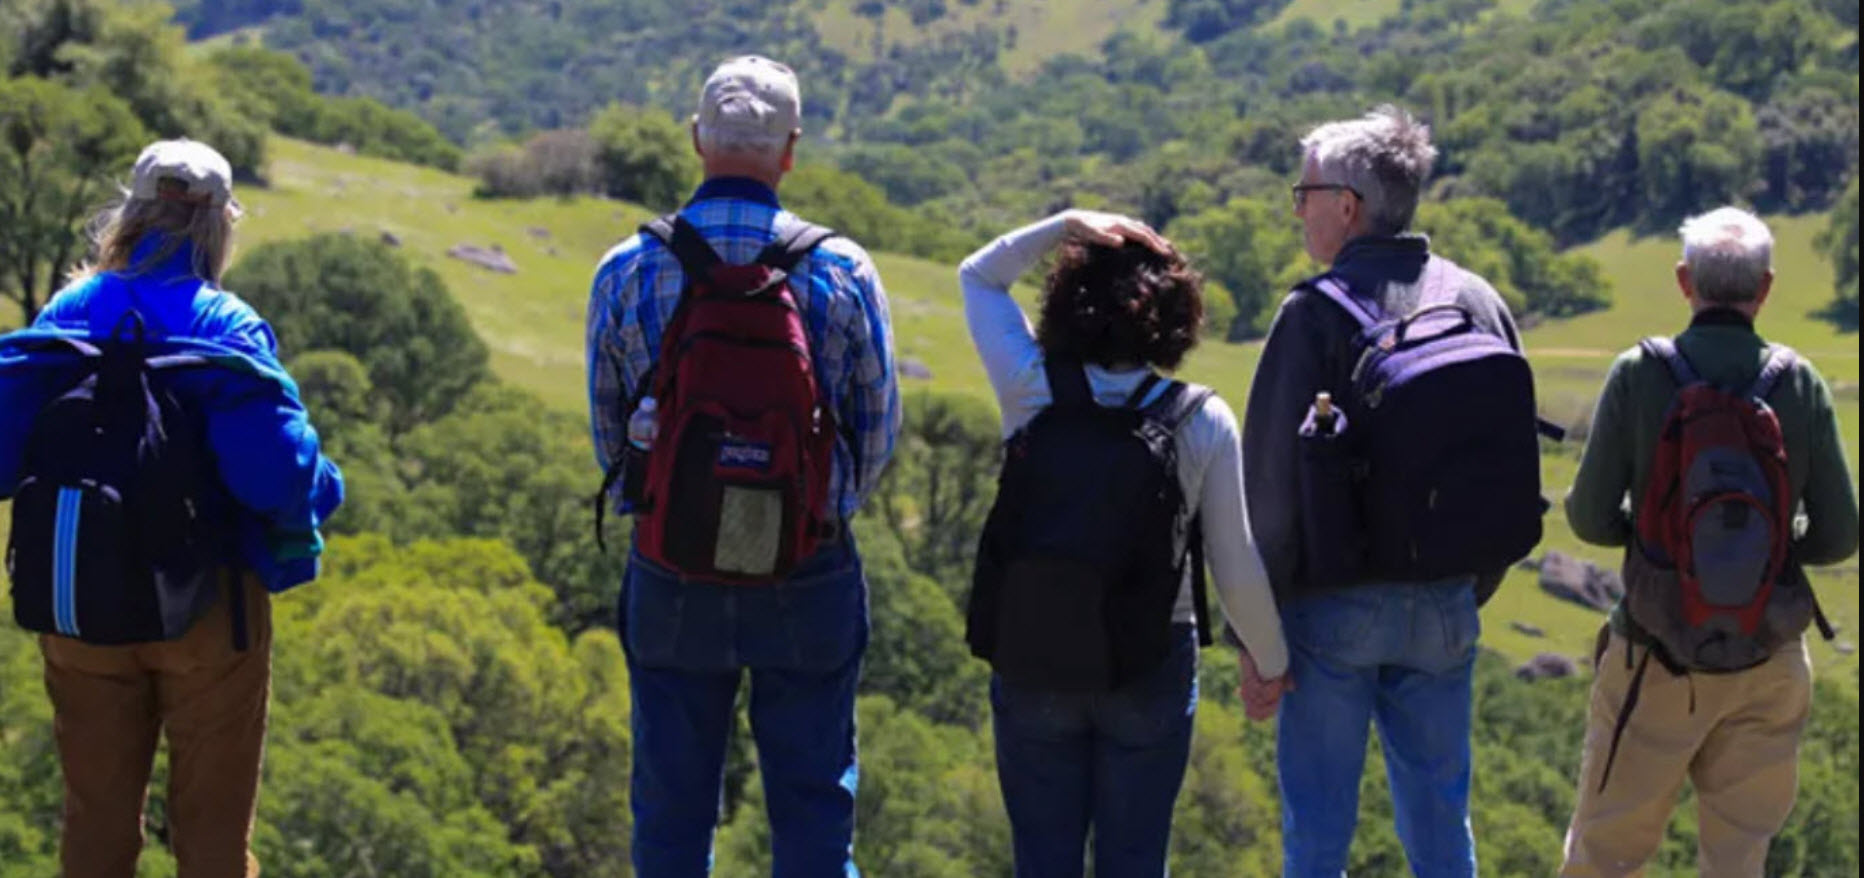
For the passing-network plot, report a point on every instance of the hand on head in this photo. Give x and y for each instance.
(1113, 230)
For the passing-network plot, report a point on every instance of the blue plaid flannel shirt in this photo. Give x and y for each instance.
(844, 309)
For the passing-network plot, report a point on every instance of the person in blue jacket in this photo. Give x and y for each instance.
(160, 252)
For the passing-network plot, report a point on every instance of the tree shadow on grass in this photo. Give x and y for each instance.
(1842, 314)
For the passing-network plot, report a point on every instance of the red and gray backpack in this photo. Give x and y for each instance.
(1709, 581)
(735, 487)
(1709, 577)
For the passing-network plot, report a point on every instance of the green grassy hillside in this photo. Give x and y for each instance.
(533, 322)
(1360, 13)
(1044, 28)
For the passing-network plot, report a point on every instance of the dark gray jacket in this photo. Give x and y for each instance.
(1309, 350)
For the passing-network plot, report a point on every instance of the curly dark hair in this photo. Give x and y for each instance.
(1121, 306)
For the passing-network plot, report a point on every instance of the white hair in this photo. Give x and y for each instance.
(1385, 156)
(1728, 252)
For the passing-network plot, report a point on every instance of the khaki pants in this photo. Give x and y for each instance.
(1739, 746)
(109, 705)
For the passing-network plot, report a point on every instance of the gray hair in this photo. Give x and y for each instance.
(1728, 252)
(1384, 156)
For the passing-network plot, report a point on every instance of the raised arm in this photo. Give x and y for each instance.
(999, 330)
(1004, 340)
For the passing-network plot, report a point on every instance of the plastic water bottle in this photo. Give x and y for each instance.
(644, 424)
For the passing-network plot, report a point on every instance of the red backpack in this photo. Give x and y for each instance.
(735, 485)
(1709, 577)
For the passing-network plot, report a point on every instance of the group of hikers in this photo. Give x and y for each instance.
(166, 481)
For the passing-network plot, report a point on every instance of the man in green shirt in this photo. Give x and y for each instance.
(1735, 735)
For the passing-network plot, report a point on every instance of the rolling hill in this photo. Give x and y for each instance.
(1043, 28)
(533, 321)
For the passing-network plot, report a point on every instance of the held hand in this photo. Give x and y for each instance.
(1112, 230)
(1261, 698)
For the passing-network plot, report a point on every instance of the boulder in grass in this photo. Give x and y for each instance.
(390, 238)
(1529, 630)
(1580, 582)
(1547, 666)
(914, 368)
(489, 258)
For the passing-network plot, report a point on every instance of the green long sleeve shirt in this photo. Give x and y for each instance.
(1724, 349)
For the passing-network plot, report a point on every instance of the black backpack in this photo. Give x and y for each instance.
(118, 534)
(1085, 549)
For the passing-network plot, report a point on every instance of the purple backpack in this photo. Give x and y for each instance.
(1438, 473)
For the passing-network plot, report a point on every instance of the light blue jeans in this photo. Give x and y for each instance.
(1400, 655)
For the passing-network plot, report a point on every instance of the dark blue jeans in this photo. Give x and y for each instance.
(688, 646)
(1400, 655)
(1112, 761)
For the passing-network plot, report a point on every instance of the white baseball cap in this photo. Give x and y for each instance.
(199, 173)
(751, 96)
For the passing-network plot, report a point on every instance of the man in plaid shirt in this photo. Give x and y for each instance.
(688, 643)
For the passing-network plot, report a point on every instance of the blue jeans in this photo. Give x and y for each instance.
(1400, 655)
(1114, 761)
(688, 645)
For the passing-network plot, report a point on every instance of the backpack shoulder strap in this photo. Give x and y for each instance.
(1137, 400)
(796, 242)
(1664, 349)
(1200, 603)
(1332, 287)
(1434, 289)
(1067, 381)
(1177, 404)
(1780, 360)
(696, 257)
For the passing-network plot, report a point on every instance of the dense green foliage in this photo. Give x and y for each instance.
(335, 292)
(132, 52)
(84, 84)
(644, 154)
(1619, 114)
(1840, 242)
(275, 88)
(58, 148)
(1581, 115)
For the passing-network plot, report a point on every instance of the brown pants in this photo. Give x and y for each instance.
(1739, 745)
(109, 705)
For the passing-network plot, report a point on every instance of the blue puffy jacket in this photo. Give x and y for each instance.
(257, 428)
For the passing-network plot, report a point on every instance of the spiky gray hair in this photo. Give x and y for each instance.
(1385, 156)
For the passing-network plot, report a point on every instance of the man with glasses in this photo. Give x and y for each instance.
(1398, 653)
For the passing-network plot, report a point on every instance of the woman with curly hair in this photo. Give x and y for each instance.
(1119, 306)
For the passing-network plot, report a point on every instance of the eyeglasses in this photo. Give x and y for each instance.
(1298, 192)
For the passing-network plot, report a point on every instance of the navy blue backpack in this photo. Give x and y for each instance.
(1435, 471)
(119, 527)
(1089, 540)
